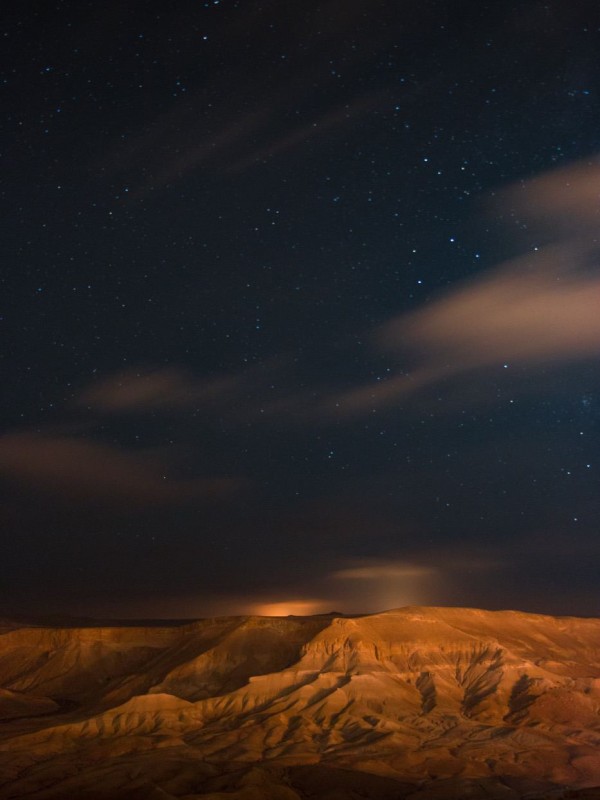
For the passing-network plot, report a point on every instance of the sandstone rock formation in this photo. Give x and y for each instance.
(419, 703)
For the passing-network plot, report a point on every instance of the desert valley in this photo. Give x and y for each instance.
(420, 703)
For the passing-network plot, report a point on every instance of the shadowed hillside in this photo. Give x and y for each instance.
(420, 703)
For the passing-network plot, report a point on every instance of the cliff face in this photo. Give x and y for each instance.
(416, 702)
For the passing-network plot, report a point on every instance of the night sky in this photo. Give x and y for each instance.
(300, 307)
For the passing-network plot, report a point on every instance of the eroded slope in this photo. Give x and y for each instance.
(419, 702)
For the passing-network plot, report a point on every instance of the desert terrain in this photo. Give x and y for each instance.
(419, 703)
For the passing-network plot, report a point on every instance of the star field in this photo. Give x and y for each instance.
(293, 288)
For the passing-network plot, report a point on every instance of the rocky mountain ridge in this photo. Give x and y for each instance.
(421, 703)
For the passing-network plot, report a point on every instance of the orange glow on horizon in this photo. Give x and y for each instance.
(299, 608)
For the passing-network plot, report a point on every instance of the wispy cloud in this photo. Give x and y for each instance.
(534, 309)
(569, 195)
(85, 470)
(259, 393)
(253, 112)
(541, 308)
(316, 128)
(376, 584)
(153, 389)
(379, 570)
(181, 142)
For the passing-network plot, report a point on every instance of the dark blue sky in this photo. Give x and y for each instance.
(298, 307)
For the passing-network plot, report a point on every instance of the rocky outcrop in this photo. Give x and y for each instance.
(420, 702)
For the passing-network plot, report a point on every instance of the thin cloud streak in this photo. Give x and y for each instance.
(214, 150)
(531, 311)
(540, 309)
(380, 584)
(88, 471)
(228, 132)
(378, 571)
(237, 398)
(297, 136)
(237, 143)
(570, 194)
(136, 390)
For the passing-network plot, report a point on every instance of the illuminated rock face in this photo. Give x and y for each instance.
(418, 702)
